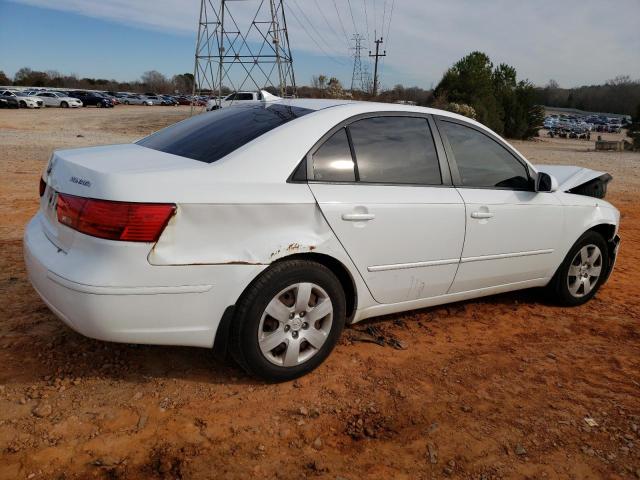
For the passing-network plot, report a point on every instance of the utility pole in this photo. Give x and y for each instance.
(375, 69)
(357, 77)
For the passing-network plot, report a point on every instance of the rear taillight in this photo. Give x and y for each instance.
(43, 186)
(131, 222)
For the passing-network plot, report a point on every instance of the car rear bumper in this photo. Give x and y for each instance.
(174, 307)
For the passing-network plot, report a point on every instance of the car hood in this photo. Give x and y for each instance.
(570, 177)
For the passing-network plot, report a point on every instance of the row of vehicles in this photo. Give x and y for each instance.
(575, 126)
(14, 98)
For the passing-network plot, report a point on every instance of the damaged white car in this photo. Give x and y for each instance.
(263, 229)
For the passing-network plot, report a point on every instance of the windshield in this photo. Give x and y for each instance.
(210, 136)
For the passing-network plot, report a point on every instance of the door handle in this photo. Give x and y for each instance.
(481, 215)
(358, 217)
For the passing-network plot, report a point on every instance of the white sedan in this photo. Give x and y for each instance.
(136, 100)
(263, 229)
(55, 99)
(24, 101)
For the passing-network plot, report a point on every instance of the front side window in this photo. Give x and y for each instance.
(332, 162)
(244, 96)
(395, 150)
(210, 136)
(483, 162)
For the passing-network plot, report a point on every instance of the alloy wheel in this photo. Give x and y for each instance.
(295, 325)
(584, 271)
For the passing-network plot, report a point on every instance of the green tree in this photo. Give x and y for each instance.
(470, 81)
(498, 99)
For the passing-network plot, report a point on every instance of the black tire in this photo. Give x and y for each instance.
(558, 288)
(23, 104)
(64, 105)
(243, 341)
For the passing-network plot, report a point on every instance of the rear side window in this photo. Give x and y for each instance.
(395, 150)
(483, 162)
(332, 161)
(210, 136)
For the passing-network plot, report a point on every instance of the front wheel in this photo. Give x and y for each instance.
(288, 320)
(23, 104)
(64, 105)
(582, 272)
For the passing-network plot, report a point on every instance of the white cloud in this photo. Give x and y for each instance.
(573, 41)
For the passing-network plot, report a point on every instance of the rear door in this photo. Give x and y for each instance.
(383, 185)
(49, 99)
(512, 231)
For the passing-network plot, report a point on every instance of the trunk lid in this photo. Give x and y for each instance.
(115, 172)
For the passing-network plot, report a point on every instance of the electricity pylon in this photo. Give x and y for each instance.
(255, 57)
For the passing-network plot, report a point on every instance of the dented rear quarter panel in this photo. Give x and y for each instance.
(252, 234)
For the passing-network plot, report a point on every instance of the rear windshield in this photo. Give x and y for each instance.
(210, 136)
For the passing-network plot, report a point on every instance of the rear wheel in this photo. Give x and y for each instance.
(288, 320)
(582, 272)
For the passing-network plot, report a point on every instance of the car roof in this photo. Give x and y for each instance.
(356, 107)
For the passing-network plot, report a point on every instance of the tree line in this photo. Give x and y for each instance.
(619, 95)
(151, 81)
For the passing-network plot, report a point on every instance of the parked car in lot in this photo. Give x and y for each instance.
(155, 99)
(136, 100)
(169, 100)
(92, 99)
(183, 100)
(9, 102)
(24, 101)
(239, 97)
(55, 99)
(263, 228)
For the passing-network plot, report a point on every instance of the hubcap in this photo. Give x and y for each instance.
(295, 324)
(584, 271)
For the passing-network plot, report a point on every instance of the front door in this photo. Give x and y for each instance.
(512, 231)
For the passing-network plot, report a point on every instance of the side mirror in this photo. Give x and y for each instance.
(546, 183)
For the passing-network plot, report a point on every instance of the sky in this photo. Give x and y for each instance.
(575, 42)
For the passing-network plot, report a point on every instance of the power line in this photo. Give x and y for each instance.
(327, 21)
(326, 54)
(366, 21)
(317, 32)
(340, 20)
(393, 3)
(355, 29)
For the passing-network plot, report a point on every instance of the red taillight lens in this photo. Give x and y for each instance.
(43, 186)
(131, 222)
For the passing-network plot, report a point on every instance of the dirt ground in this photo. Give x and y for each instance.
(502, 387)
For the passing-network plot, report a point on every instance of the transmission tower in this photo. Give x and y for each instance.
(357, 79)
(255, 57)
